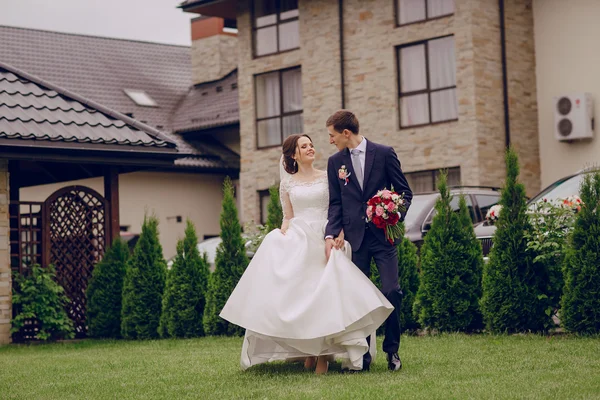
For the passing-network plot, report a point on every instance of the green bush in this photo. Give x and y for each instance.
(512, 300)
(408, 279)
(185, 293)
(230, 264)
(581, 300)
(274, 211)
(38, 297)
(451, 263)
(551, 225)
(144, 285)
(105, 292)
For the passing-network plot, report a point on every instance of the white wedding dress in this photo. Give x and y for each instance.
(292, 302)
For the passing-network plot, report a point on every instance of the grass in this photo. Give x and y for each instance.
(435, 367)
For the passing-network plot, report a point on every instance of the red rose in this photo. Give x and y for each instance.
(393, 219)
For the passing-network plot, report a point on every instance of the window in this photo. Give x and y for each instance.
(427, 82)
(140, 98)
(425, 181)
(263, 198)
(275, 26)
(486, 201)
(411, 11)
(278, 106)
(454, 204)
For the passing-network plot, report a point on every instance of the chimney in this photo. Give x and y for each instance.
(214, 48)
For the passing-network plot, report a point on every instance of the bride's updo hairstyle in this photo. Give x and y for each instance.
(289, 150)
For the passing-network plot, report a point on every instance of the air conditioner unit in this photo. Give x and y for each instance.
(573, 117)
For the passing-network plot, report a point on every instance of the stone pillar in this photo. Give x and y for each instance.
(5, 278)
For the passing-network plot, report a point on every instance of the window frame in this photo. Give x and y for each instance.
(281, 108)
(427, 90)
(434, 173)
(427, 18)
(276, 24)
(263, 194)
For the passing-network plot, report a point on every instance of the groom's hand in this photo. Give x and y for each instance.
(329, 244)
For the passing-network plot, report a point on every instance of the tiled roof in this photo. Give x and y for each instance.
(209, 105)
(32, 109)
(101, 68)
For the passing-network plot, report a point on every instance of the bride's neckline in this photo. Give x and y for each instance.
(315, 178)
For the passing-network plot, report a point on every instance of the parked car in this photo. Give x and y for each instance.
(209, 246)
(421, 212)
(560, 189)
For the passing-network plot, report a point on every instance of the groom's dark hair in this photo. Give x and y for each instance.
(343, 119)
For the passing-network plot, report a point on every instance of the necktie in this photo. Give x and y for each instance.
(357, 167)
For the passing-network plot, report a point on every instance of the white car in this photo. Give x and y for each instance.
(209, 246)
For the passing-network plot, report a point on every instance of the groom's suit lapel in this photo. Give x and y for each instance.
(369, 159)
(350, 168)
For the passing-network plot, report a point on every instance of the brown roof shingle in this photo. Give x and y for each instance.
(101, 68)
(32, 109)
(209, 105)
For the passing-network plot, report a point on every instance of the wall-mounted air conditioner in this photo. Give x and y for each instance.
(573, 117)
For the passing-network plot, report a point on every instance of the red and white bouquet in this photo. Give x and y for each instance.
(384, 210)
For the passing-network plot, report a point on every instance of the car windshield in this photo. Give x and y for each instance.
(418, 204)
(560, 189)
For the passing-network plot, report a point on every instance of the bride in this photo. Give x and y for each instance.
(292, 301)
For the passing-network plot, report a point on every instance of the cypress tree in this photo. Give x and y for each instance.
(144, 285)
(185, 293)
(105, 292)
(581, 300)
(512, 300)
(230, 263)
(450, 286)
(274, 211)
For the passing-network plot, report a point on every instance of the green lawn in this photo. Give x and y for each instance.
(446, 366)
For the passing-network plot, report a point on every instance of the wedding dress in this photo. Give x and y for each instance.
(294, 303)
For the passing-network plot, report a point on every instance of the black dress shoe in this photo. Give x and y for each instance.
(366, 368)
(394, 362)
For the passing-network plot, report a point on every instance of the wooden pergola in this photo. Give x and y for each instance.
(50, 135)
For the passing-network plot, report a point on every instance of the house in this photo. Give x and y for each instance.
(448, 83)
(566, 66)
(151, 83)
(50, 135)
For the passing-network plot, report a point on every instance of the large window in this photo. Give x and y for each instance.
(275, 26)
(411, 11)
(427, 82)
(425, 181)
(278, 106)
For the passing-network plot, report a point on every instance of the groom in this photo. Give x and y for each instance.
(355, 174)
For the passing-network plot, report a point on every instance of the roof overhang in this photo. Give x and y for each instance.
(34, 150)
(226, 9)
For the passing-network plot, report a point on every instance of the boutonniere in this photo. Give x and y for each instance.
(343, 174)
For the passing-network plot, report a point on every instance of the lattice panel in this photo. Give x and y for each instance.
(26, 219)
(76, 239)
(26, 249)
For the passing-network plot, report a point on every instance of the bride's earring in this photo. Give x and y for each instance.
(294, 163)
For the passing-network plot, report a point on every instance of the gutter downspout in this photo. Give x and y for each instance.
(504, 74)
(341, 24)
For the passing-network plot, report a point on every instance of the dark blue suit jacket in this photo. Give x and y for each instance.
(348, 203)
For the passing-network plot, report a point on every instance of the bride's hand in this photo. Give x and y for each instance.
(284, 226)
(339, 241)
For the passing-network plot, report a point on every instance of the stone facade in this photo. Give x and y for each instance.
(5, 278)
(475, 142)
(213, 57)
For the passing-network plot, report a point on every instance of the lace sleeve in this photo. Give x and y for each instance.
(284, 198)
